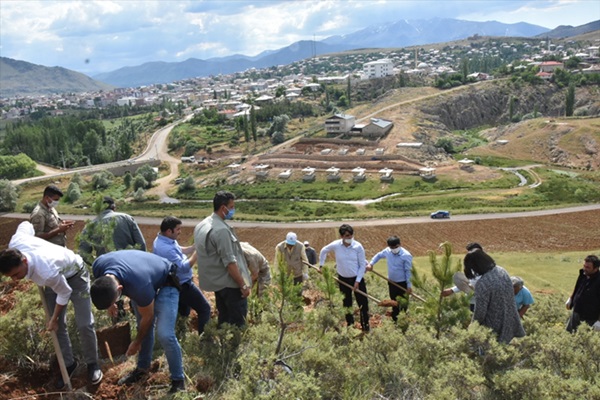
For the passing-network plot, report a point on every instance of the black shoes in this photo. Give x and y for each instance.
(132, 377)
(177, 386)
(60, 383)
(94, 373)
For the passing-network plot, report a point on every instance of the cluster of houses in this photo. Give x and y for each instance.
(309, 174)
(229, 93)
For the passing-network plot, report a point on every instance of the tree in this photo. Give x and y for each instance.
(349, 92)
(277, 138)
(570, 100)
(8, 195)
(139, 183)
(279, 124)
(253, 126)
(280, 91)
(16, 167)
(73, 192)
(148, 173)
(127, 178)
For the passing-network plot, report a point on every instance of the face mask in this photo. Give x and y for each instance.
(348, 240)
(396, 250)
(53, 203)
(230, 213)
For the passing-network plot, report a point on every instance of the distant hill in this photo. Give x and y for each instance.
(23, 78)
(564, 31)
(416, 32)
(395, 34)
(164, 72)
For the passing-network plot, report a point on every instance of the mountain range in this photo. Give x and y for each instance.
(19, 77)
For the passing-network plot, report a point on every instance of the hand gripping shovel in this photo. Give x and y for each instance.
(384, 303)
(416, 296)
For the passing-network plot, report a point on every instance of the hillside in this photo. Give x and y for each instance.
(26, 79)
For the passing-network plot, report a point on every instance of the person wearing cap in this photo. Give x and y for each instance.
(64, 278)
(126, 233)
(290, 256)
(46, 222)
(523, 296)
(585, 300)
(222, 267)
(258, 266)
(399, 265)
(351, 266)
(151, 284)
(166, 246)
(311, 253)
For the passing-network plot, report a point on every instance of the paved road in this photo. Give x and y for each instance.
(335, 224)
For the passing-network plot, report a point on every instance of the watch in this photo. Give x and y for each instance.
(244, 287)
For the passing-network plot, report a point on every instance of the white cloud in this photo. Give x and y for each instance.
(117, 33)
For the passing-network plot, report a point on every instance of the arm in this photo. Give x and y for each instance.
(188, 250)
(53, 322)
(138, 238)
(374, 261)
(278, 258)
(39, 224)
(523, 310)
(233, 270)
(324, 251)
(304, 261)
(362, 266)
(146, 322)
(407, 265)
(481, 302)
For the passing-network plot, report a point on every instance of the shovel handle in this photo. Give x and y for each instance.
(347, 285)
(416, 296)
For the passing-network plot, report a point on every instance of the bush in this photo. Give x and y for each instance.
(8, 195)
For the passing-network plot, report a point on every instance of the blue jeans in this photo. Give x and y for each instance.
(232, 307)
(191, 297)
(165, 315)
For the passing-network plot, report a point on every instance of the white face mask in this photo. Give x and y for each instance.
(348, 240)
(53, 204)
(396, 250)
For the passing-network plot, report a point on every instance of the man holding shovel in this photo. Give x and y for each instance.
(64, 277)
(399, 263)
(350, 264)
(151, 283)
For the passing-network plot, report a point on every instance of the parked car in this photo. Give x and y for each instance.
(440, 214)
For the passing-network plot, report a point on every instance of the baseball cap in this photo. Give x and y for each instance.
(291, 238)
(306, 243)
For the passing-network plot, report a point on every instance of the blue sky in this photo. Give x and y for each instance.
(93, 36)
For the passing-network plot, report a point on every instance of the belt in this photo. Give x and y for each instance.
(78, 273)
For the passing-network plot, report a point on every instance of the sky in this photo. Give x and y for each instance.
(93, 36)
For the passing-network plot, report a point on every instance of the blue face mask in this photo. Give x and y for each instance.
(230, 212)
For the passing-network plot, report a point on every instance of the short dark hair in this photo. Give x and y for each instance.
(103, 292)
(52, 190)
(10, 259)
(222, 198)
(393, 241)
(473, 245)
(594, 260)
(169, 223)
(109, 201)
(477, 262)
(346, 229)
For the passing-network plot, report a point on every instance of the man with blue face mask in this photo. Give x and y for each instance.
(222, 268)
(399, 263)
(350, 265)
(45, 220)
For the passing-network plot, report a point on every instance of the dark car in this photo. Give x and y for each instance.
(440, 214)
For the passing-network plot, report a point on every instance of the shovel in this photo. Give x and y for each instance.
(416, 296)
(384, 303)
(59, 355)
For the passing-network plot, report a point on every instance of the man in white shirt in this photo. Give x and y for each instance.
(350, 266)
(64, 277)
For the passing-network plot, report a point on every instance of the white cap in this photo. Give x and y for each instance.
(291, 238)
(306, 243)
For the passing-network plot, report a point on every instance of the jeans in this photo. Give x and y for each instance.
(396, 292)
(84, 319)
(232, 307)
(165, 315)
(362, 301)
(191, 297)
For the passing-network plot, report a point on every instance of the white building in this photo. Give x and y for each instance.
(378, 69)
